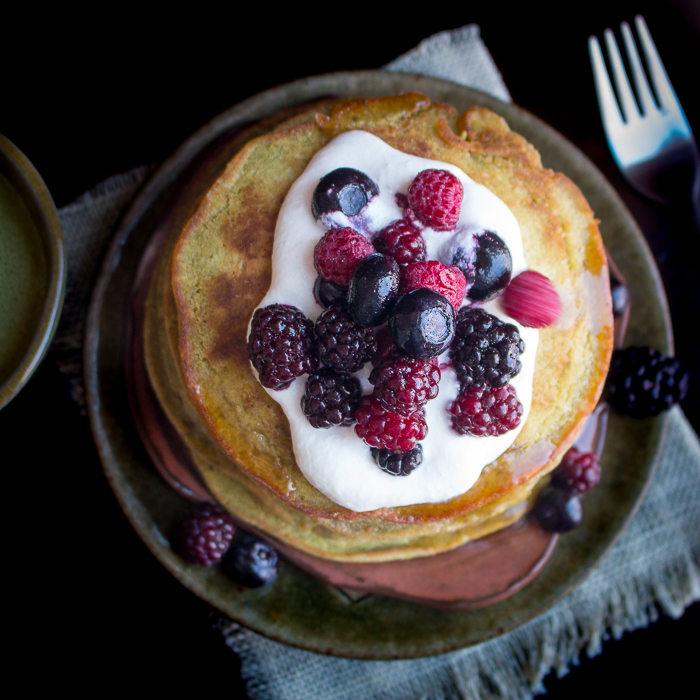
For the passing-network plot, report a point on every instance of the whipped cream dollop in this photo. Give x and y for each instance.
(335, 460)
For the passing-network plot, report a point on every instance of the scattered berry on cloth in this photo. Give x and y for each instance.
(578, 471)
(204, 536)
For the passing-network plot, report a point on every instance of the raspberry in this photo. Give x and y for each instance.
(280, 345)
(398, 463)
(402, 240)
(643, 382)
(578, 471)
(336, 255)
(531, 299)
(385, 430)
(436, 198)
(404, 385)
(204, 537)
(331, 398)
(484, 349)
(340, 342)
(483, 410)
(448, 281)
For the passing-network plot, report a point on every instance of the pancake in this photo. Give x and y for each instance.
(213, 274)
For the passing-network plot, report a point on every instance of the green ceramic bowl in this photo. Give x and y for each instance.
(298, 609)
(32, 269)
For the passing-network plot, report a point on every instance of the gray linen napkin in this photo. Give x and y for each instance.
(654, 567)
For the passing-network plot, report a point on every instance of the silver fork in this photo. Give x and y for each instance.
(654, 148)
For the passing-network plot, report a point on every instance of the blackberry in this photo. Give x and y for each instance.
(280, 345)
(251, 562)
(643, 382)
(578, 471)
(402, 240)
(557, 510)
(482, 410)
(386, 430)
(403, 384)
(340, 342)
(331, 398)
(398, 463)
(203, 537)
(484, 349)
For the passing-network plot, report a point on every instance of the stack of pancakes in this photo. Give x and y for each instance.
(212, 274)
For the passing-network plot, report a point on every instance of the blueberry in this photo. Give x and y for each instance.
(557, 510)
(328, 293)
(422, 323)
(346, 190)
(251, 562)
(485, 261)
(374, 288)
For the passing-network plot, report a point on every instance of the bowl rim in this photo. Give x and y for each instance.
(30, 186)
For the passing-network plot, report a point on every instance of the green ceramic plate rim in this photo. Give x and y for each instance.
(290, 610)
(31, 187)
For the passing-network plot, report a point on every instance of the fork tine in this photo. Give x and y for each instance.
(630, 111)
(612, 119)
(646, 100)
(662, 85)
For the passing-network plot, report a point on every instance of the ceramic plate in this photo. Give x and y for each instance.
(298, 609)
(32, 269)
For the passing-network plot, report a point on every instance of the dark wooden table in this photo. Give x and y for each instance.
(86, 101)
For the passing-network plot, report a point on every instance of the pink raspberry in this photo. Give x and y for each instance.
(436, 198)
(578, 471)
(402, 240)
(532, 300)
(386, 430)
(337, 254)
(481, 410)
(448, 281)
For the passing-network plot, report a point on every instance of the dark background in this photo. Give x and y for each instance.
(85, 99)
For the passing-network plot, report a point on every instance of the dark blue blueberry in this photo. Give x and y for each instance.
(374, 288)
(328, 293)
(489, 266)
(557, 510)
(251, 562)
(346, 190)
(422, 323)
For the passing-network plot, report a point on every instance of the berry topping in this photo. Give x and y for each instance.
(578, 471)
(331, 398)
(280, 345)
(402, 241)
(327, 292)
(374, 288)
(422, 323)
(386, 430)
(436, 198)
(531, 299)
(203, 537)
(492, 267)
(338, 253)
(398, 463)
(385, 345)
(340, 342)
(557, 510)
(251, 562)
(485, 350)
(403, 384)
(448, 281)
(345, 190)
(643, 382)
(482, 410)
